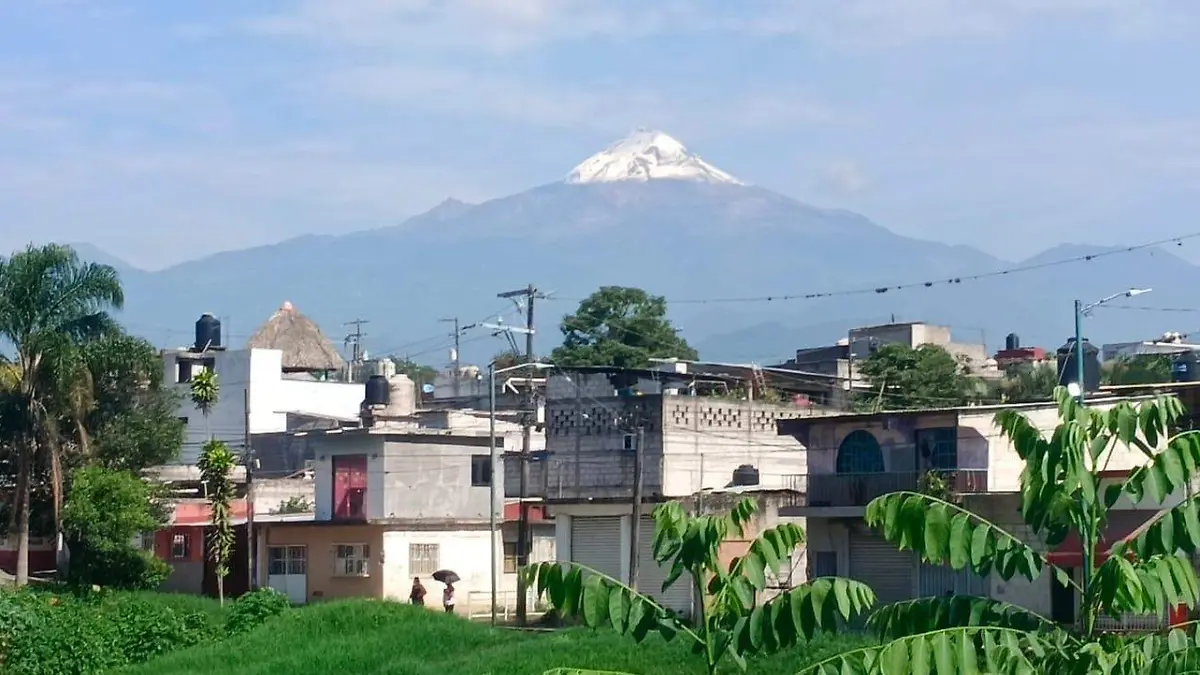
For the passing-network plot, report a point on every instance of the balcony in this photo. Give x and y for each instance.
(858, 489)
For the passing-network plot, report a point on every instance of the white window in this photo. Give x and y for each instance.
(352, 560)
(283, 560)
(422, 559)
(180, 546)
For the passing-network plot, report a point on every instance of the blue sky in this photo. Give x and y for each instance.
(162, 131)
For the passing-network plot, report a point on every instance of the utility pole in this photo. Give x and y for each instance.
(634, 421)
(635, 533)
(248, 458)
(528, 420)
(355, 340)
(455, 357)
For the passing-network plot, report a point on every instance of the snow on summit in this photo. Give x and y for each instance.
(647, 155)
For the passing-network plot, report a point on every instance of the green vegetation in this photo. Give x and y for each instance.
(1061, 494)
(365, 636)
(75, 392)
(46, 633)
(1139, 369)
(622, 327)
(105, 511)
(733, 619)
(902, 377)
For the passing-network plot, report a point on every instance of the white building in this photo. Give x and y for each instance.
(287, 370)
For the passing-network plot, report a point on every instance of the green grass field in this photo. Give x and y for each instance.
(379, 637)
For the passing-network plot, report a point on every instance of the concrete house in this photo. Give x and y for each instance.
(697, 436)
(397, 500)
(854, 458)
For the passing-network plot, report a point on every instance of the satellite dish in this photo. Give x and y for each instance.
(1073, 388)
(427, 388)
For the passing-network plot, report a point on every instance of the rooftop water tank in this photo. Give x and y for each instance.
(208, 332)
(378, 391)
(745, 474)
(1012, 341)
(1068, 371)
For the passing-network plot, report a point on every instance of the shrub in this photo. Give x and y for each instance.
(44, 633)
(121, 566)
(255, 608)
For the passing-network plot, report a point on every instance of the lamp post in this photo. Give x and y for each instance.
(1082, 310)
(492, 373)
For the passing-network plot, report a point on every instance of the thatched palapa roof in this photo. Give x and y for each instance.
(305, 348)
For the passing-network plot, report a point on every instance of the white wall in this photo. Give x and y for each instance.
(1005, 466)
(271, 398)
(466, 552)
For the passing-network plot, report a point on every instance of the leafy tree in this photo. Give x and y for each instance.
(1029, 382)
(732, 619)
(134, 421)
(1138, 369)
(418, 373)
(51, 304)
(105, 510)
(1061, 492)
(925, 377)
(622, 327)
(216, 465)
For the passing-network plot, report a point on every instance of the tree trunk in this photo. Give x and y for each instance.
(21, 523)
(221, 589)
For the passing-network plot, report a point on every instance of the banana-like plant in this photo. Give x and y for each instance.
(1147, 573)
(731, 619)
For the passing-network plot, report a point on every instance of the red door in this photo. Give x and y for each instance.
(349, 486)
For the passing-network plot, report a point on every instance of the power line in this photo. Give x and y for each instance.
(950, 281)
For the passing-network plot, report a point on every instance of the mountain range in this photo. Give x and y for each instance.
(647, 212)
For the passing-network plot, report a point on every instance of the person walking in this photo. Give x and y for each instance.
(417, 595)
(448, 598)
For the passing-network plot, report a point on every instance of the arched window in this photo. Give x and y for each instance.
(859, 453)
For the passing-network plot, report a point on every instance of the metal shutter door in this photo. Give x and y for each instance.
(888, 571)
(651, 577)
(596, 542)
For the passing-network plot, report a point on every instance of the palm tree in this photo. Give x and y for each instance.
(51, 303)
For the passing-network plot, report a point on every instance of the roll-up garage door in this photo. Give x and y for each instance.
(889, 572)
(596, 542)
(651, 577)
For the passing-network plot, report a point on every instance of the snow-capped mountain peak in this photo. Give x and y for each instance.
(647, 155)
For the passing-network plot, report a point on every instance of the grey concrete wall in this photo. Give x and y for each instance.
(430, 477)
(186, 577)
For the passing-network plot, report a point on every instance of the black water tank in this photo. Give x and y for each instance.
(1186, 367)
(745, 474)
(1013, 341)
(1068, 371)
(208, 332)
(378, 391)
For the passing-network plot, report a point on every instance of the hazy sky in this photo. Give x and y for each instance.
(161, 131)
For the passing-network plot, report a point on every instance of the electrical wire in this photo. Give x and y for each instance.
(950, 281)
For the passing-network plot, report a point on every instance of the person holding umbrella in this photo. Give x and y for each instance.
(447, 577)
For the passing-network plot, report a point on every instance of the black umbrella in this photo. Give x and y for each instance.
(446, 576)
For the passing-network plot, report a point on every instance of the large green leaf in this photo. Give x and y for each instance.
(601, 601)
(944, 533)
(1175, 653)
(798, 614)
(1168, 532)
(1168, 471)
(950, 651)
(1151, 586)
(910, 617)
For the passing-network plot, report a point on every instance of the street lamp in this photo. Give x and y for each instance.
(1082, 310)
(492, 373)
